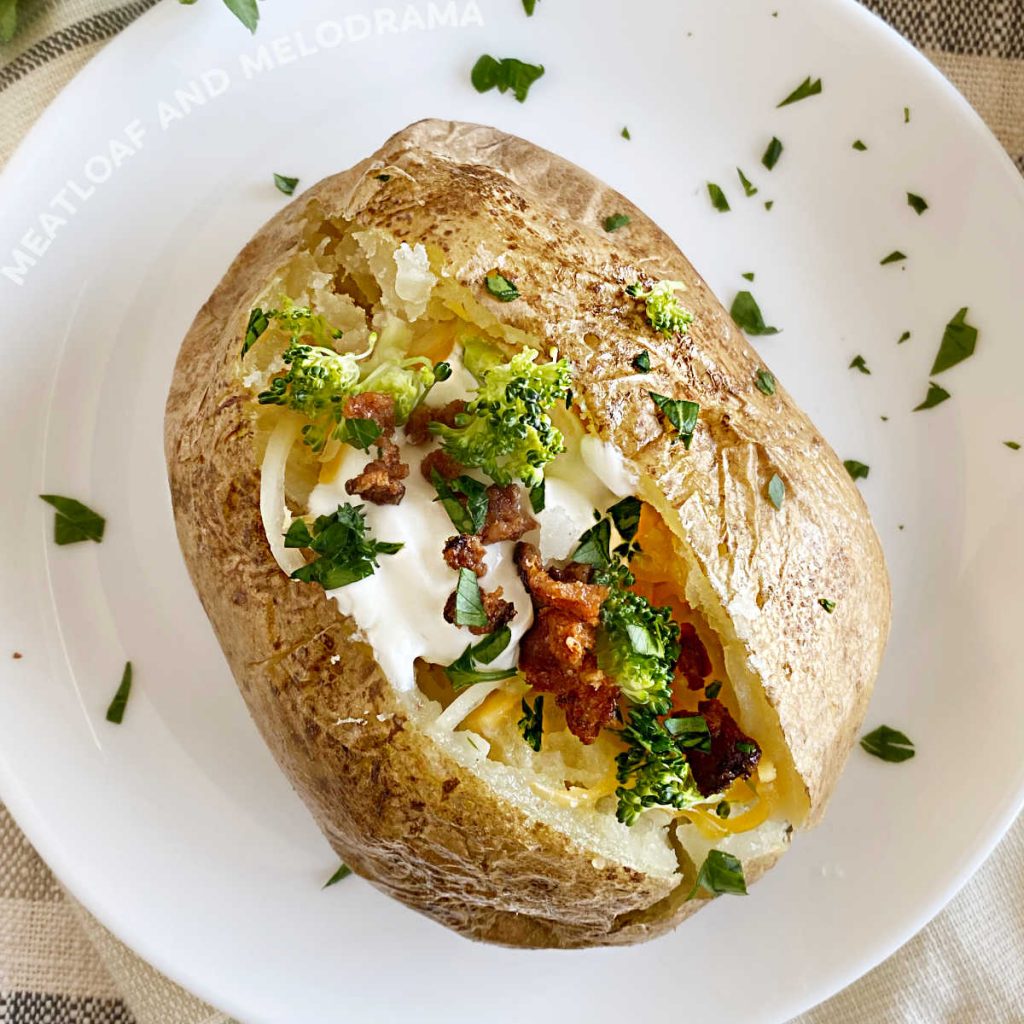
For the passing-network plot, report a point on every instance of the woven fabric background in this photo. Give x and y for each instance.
(59, 966)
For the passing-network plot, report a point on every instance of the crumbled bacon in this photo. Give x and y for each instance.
(417, 430)
(381, 479)
(506, 519)
(557, 656)
(443, 463)
(372, 405)
(499, 611)
(715, 770)
(465, 551)
(581, 600)
(693, 665)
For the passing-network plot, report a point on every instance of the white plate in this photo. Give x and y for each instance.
(176, 829)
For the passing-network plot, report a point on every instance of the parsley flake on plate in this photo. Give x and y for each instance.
(918, 203)
(958, 343)
(285, 184)
(749, 189)
(806, 88)
(857, 470)
(894, 257)
(505, 74)
(74, 521)
(747, 314)
(888, 744)
(859, 363)
(936, 396)
(115, 713)
(343, 872)
(718, 200)
(772, 153)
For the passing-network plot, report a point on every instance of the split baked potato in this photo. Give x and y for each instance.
(556, 610)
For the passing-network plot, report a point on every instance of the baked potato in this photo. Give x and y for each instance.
(557, 612)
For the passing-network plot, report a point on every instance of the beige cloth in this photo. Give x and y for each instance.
(58, 965)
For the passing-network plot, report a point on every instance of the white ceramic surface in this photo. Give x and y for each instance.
(176, 828)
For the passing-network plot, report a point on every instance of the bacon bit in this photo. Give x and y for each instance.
(465, 552)
(443, 463)
(580, 600)
(589, 709)
(694, 664)
(417, 430)
(381, 479)
(372, 405)
(714, 771)
(499, 611)
(557, 656)
(506, 519)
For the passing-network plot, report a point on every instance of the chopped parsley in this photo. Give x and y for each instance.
(765, 382)
(936, 396)
(712, 690)
(531, 725)
(748, 276)
(723, 810)
(859, 146)
(529, 6)
(383, 177)
(539, 496)
(776, 491)
(1014, 446)
(361, 433)
(464, 499)
(905, 336)
(285, 184)
(463, 671)
(894, 257)
(858, 363)
(469, 602)
(747, 314)
(958, 342)
(749, 189)
(345, 553)
(626, 135)
(917, 202)
(501, 287)
(772, 153)
(906, 115)
(625, 514)
(492, 645)
(769, 203)
(681, 414)
(595, 545)
(889, 745)
(508, 73)
(258, 323)
(720, 873)
(343, 872)
(806, 88)
(74, 521)
(642, 361)
(616, 221)
(857, 470)
(691, 732)
(717, 196)
(115, 713)
(828, 604)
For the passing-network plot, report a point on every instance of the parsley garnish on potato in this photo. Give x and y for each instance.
(345, 552)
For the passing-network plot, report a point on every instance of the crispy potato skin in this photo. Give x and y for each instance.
(391, 802)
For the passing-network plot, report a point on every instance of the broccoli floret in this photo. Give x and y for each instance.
(505, 430)
(407, 383)
(317, 383)
(653, 771)
(638, 645)
(664, 311)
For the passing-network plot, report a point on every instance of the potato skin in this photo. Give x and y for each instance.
(392, 803)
